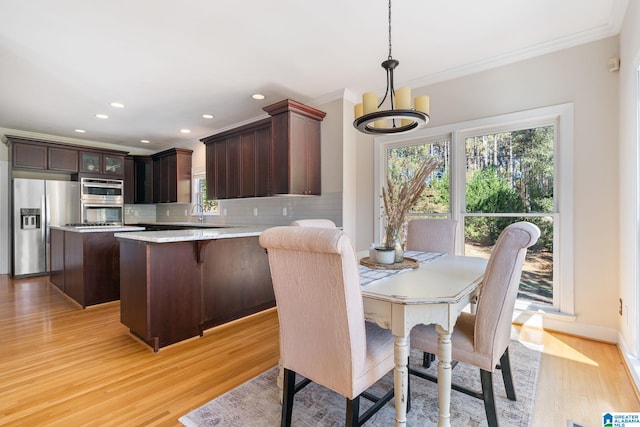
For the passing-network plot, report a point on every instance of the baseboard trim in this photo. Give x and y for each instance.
(631, 365)
(566, 325)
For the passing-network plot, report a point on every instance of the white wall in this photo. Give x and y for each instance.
(578, 75)
(629, 322)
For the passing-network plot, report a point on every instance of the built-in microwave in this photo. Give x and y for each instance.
(95, 190)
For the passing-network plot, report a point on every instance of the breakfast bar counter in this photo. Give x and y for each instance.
(175, 284)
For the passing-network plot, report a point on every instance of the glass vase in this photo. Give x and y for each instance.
(392, 240)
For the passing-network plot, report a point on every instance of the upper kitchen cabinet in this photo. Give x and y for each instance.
(101, 163)
(237, 161)
(295, 134)
(278, 155)
(172, 176)
(32, 154)
(138, 179)
(62, 159)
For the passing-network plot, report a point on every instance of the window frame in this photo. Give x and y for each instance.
(194, 195)
(561, 116)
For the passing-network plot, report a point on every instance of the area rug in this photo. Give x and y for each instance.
(256, 403)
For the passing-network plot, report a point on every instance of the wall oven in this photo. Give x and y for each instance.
(102, 201)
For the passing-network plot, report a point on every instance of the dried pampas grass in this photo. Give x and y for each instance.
(398, 198)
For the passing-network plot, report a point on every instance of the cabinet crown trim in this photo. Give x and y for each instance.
(289, 105)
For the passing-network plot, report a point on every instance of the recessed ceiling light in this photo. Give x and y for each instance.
(102, 116)
(144, 141)
(80, 130)
(117, 105)
(208, 116)
(257, 96)
(185, 131)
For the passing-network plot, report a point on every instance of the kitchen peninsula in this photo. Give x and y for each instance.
(174, 284)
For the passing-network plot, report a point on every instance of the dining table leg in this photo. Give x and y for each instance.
(401, 378)
(444, 376)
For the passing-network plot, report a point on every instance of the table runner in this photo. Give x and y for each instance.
(370, 275)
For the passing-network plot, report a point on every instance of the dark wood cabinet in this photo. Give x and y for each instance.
(101, 163)
(138, 179)
(143, 169)
(236, 280)
(238, 161)
(172, 176)
(40, 155)
(129, 181)
(86, 266)
(263, 161)
(174, 291)
(160, 303)
(56, 275)
(62, 159)
(29, 156)
(36, 154)
(279, 155)
(295, 133)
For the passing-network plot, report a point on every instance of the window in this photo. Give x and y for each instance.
(494, 172)
(209, 207)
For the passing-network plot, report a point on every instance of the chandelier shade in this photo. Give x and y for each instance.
(370, 117)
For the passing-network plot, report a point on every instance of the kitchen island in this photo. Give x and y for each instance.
(85, 262)
(175, 284)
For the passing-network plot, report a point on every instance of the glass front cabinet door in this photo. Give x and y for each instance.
(113, 165)
(90, 162)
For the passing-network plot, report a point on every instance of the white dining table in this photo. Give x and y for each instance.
(434, 293)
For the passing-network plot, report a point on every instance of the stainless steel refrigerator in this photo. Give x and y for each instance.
(38, 204)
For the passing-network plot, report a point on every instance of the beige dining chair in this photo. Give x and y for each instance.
(327, 223)
(323, 334)
(482, 339)
(432, 235)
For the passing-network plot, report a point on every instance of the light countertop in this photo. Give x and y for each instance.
(169, 236)
(106, 229)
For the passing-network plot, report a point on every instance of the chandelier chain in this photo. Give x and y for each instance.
(390, 29)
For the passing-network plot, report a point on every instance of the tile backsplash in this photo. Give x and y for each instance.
(250, 211)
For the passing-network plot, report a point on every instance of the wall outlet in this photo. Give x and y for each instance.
(167, 213)
(284, 211)
(135, 213)
(224, 212)
(186, 213)
(255, 211)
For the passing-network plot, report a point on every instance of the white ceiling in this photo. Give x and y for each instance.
(170, 61)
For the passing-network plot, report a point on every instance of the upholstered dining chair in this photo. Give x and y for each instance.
(482, 339)
(323, 334)
(327, 223)
(432, 235)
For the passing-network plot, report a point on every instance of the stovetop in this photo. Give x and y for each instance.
(93, 224)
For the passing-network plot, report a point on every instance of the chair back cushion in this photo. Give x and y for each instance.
(320, 309)
(432, 235)
(327, 223)
(492, 330)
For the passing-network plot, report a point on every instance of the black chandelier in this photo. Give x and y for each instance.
(401, 117)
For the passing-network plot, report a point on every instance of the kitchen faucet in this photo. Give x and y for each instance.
(201, 216)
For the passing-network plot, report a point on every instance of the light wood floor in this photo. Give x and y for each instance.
(64, 366)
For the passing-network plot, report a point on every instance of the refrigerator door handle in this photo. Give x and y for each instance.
(46, 234)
